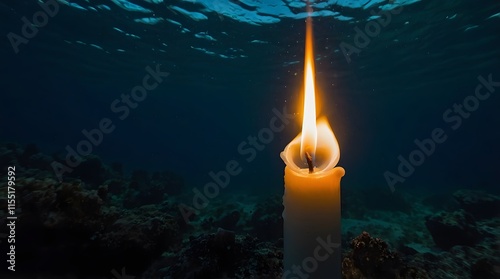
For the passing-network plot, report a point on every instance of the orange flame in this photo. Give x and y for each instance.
(309, 137)
(317, 138)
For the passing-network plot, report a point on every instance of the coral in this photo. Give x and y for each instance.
(145, 229)
(137, 237)
(113, 221)
(371, 258)
(66, 223)
(144, 188)
(33, 159)
(59, 205)
(222, 254)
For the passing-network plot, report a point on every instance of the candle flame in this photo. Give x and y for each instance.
(309, 137)
(317, 139)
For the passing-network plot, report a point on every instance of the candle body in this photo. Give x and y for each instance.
(312, 232)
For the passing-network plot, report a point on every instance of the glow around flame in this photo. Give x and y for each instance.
(327, 151)
(316, 138)
(309, 130)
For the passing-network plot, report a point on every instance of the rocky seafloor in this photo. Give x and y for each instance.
(101, 223)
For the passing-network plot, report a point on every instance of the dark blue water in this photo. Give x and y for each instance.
(227, 72)
(393, 92)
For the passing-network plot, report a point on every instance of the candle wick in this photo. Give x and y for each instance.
(310, 162)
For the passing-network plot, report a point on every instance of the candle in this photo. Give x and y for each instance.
(312, 231)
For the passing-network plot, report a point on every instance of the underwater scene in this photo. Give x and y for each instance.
(267, 139)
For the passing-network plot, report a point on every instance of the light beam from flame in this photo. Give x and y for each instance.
(309, 136)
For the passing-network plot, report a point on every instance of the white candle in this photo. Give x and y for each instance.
(312, 232)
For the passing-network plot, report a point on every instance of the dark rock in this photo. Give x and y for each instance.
(407, 250)
(452, 228)
(430, 257)
(480, 204)
(229, 221)
(484, 269)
